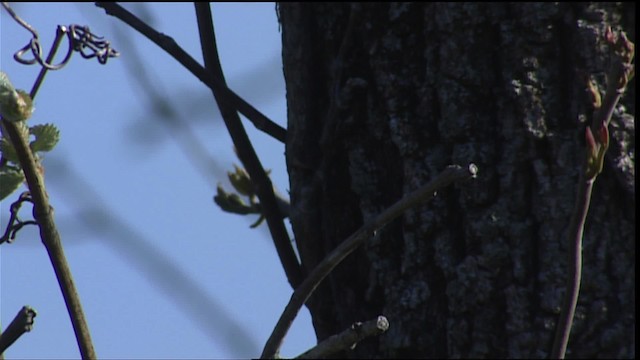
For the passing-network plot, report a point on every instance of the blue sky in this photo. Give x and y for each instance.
(162, 272)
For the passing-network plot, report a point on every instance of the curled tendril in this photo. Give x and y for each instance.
(15, 224)
(98, 47)
(34, 47)
(80, 39)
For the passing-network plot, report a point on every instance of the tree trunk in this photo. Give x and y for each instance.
(382, 97)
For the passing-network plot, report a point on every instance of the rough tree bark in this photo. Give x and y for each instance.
(382, 97)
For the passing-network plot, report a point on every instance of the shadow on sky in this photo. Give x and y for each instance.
(203, 310)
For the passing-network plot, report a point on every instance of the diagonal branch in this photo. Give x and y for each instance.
(224, 95)
(43, 213)
(168, 44)
(246, 153)
(349, 338)
(22, 323)
(451, 174)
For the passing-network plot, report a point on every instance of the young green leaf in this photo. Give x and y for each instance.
(15, 105)
(7, 151)
(241, 181)
(46, 137)
(10, 180)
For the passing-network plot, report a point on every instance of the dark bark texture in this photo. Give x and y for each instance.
(382, 97)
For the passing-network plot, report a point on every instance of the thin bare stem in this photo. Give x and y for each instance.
(576, 229)
(22, 323)
(451, 174)
(60, 32)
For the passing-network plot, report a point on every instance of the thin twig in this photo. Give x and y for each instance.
(347, 339)
(168, 44)
(619, 75)
(303, 292)
(22, 323)
(43, 70)
(246, 153)
(576, 229)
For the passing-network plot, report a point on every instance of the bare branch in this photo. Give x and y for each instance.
(259, 120)
(303, 292)
(22, 323)
(245, 151)
(43, 214)
(347, 339)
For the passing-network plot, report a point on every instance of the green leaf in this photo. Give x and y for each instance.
(46, 137)
(7, 151)
(6, 146)
(233, 203)
(15, 105)
(10, 180)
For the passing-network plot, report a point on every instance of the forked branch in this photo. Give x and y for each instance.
(229, 103)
